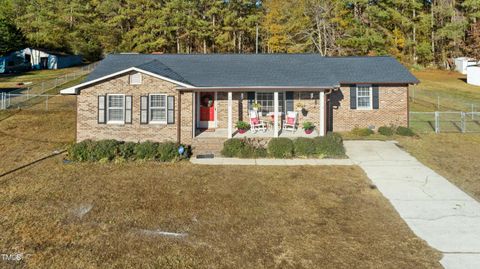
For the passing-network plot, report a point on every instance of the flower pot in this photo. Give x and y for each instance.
(308, 131)
(241, 131)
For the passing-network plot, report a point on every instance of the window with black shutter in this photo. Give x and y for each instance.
(143, 109)
(101, 109)
(171, 110)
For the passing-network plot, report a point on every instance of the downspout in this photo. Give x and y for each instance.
(179, 116)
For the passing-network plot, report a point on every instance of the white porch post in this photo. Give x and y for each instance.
(230, 115)
(321, 127)
(275, 111)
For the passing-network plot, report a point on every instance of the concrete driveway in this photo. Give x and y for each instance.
(436, 210)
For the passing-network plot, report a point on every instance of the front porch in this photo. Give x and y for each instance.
(223, 133)
(218, 110)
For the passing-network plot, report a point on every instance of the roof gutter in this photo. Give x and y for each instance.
(247, 88)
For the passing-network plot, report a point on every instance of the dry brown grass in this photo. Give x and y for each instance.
(26, 135)
(455, 156)
(235, 217)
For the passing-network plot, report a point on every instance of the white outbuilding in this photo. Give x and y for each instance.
(473, 75)
(462, 63)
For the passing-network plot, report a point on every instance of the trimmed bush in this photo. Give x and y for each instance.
(127, 150)
(167, 152)
(280, 148)
(80, 151)
(105, 150)
(146, 150)
(304, 147)
(330, 145)
(404, 131)
(386, 130)
(260, 153)
(232, 147)
(108, 150)
(361, 131)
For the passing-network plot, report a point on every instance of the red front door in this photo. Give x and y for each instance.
(207, 109)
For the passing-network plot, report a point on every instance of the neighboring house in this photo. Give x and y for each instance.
(30, 58)
(135, 97)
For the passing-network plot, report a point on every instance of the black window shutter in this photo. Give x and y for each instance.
(171, 109)
(143, 109)
(251, 99)
(375, 97)
(353, 97)
(289, 101)
(128, 109)
(102, 115)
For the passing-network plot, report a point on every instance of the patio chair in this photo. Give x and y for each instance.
(255, 123)
(290, 122)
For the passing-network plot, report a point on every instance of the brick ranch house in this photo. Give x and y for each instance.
(139, 97)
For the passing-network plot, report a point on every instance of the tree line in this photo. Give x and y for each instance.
(425, 32)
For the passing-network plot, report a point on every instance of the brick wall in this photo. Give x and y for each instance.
(393, 109)
(87, 106)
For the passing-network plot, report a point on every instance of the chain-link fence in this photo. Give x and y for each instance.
(11, 101)
(49, 84)
(445, 122)
(430, 100)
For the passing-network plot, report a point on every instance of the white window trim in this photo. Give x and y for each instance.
(107, 107)
(284, 93)
(150, 109)
(370, 94)
(135, 74)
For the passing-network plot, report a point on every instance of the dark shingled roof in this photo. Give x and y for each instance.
(243, 70)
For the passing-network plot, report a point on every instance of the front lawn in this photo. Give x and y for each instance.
(107, 215)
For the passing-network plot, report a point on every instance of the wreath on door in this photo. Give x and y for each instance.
(206, 101)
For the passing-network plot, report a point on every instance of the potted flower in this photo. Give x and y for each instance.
(299, 106)
(308, 127)
(256, 106)
(242, 126)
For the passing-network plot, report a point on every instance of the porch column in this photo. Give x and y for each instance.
(321, 126)
(230, 116)
(275, 115)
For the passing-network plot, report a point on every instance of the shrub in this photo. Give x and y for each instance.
(104, 149)
(80, 151)
(167, 151)
(304, 146)
(330, 145)
(361, 131)
(247, 151)
(280, 148)
(127, 150)
(260, 153)
(232, 147)
(386, 130)
(404, 131)
(146, 150)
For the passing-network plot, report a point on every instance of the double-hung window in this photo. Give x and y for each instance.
(158, 108)
(116, 108)
(265, 99)
(364, 97)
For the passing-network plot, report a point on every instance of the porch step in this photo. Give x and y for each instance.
(210, 145)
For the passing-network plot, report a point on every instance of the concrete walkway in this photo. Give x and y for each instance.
(282, 162)
(436, 210)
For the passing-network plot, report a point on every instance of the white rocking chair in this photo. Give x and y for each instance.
(290, 122)
(255, 123)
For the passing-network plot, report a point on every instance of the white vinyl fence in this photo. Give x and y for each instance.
(445, 122)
